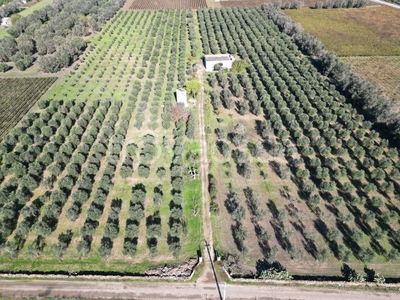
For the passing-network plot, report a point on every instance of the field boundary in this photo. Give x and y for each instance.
(313, 283)
(57, 275)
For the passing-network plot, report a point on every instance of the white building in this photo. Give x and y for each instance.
(181, 96)
(211, 60)
(6, 22)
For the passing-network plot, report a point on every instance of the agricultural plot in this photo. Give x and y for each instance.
(171, 4)
(353, 32)
(297, 175)
(382, 70)
(102, 176)
(17, 96)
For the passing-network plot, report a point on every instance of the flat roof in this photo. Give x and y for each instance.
(218, 57)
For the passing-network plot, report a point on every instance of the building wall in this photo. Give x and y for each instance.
(225, 64)
(181, 97)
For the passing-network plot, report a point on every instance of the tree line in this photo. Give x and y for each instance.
(55, 33)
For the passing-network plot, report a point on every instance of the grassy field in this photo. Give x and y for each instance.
(28, 11)
(382, 70)
(114, 71)
(353, 32)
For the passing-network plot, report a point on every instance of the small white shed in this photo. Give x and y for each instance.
(181, 96)
(6, 22)
(213, 59)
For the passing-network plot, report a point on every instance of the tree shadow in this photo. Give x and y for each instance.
(370, 274)
(262, 265)
(348, 241)
(273, 209)
(283, 241)
(239, 243)
(308, 244)
(323, 230)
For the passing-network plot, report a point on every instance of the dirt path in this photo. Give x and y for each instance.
(208, 254)
(171, 290)
(386, 3)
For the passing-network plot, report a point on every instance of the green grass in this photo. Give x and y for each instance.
(352, 32)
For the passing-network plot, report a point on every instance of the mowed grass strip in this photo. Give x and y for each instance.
(353, 32)
(382, 70)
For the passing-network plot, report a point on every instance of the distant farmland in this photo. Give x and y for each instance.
(353, 32)
(17, 96)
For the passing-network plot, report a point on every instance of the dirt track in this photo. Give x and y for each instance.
(207, 274)
(143, 290)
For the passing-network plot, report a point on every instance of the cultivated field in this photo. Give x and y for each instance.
(382, 70)
(297, 175)
(353, 32)
(17, 96)
(171, 4)
(97, 178)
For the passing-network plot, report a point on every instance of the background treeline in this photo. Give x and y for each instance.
(296, 4)
(341, 4)
(365, 96)
(55, 33)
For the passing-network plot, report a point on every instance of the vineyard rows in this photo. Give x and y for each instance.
(170, 4)
(17, 97)
(339, 180)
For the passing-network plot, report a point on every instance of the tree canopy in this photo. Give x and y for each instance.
(193, 87)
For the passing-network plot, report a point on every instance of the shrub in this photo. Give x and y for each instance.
(143, 171)
(161, 172)
(130, 247)
(105, 248)
(275, 274)
(4, 67)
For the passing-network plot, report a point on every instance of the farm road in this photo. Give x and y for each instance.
(208, 254)
(142, 290)
(386, 3)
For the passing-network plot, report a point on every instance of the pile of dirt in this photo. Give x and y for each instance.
(183, 270)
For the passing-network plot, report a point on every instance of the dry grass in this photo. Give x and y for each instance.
(353, 32)
(384, 71)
